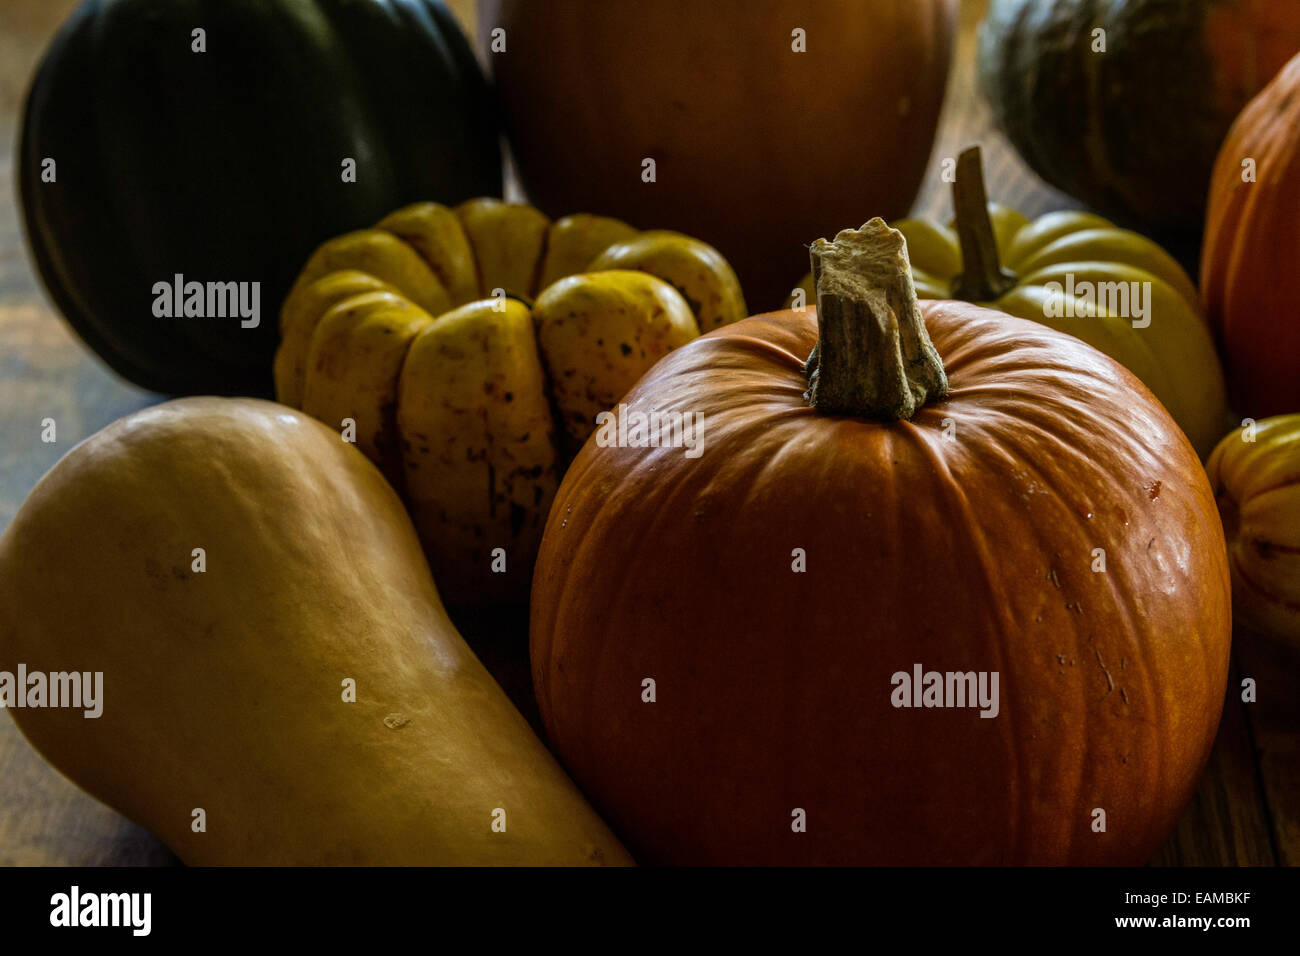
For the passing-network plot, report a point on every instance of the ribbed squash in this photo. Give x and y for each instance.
(1074, 271)
(1255, 473)
(451, 340)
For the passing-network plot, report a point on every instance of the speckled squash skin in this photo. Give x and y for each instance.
(470, 396)
(1133, 131)
(608, 327)
(223, 688)
(969, 553)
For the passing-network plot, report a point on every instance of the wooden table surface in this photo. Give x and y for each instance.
(1246, 811)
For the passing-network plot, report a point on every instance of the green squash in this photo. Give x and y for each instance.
(1132, 129)
(227, 165)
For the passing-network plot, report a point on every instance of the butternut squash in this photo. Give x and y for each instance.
(226, 670)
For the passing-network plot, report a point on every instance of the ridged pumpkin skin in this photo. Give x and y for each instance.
(1133, 131)
(226, 165)
(1250, 263)
(973, 552)
(223, 690)
(1173, 355)
(1255, 473)
(714, 93)
(452, 389)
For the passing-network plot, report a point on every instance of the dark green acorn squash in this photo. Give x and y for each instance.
(1132, 130)
(226, 165)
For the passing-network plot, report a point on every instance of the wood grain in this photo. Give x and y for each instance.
(1274, 724)
(1245, 812)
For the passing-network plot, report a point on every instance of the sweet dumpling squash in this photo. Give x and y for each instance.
(471, 350)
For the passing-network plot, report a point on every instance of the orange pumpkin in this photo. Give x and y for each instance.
(723, 644)
(724, 96)
(1250, 263)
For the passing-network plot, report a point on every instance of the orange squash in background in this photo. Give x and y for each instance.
(716, 94)
(715, 639)
(1250, 263)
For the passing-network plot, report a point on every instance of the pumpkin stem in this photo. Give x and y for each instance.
(873, 357)
(982, 278)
